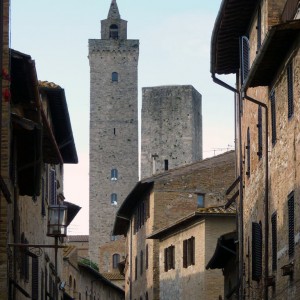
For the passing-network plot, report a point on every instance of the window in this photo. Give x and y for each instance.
(70, 281)
(114, 77)
(136, 267)
(169, 255)
(43, 209)
(114, 175)
(142, 262)
(166, 165)
(258, 28)
(146, 296)
(114, 199)
(274, 241)
(244, 58)
(116, 260)
(200, 200)
(291, 223)
(147, 256)
(53, 187)
(35, 278)
(290, 90)
(256, 251)
(114, 31)
(248, 152)
(259, 133)
(141, 213)
(189, 252)
(273, 116)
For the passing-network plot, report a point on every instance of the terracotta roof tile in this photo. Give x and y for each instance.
(47, 84)
(78, 238)
(217, 210)
(113, 276)
(68, 250)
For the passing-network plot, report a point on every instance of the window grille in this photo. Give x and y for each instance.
(259, 133)
(274, 241)
(256, 251)
(290, 90)
(245, 60)
(291, 223)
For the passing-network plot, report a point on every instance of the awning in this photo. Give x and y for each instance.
(73, 210)
(276, 46)
(231, 23)
(225, 250)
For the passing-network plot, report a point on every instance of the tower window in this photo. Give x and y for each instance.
(166, 165)
(291, 224)
(116, 260)
(290, 90)
(200, 200)
(114, 77)
(273, 116)
(274, 241)
(114, 174)
(114, 31)
(113, 199)
(259, 127)
(256, 251)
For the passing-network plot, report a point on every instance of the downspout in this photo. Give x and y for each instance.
(241, 206)
(266, 190)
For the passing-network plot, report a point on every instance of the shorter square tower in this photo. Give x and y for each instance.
(171, 128)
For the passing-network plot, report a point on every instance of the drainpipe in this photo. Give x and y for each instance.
(266, 190)
(241, 206)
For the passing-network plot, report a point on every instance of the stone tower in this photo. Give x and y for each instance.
(113, 125)
(171, 128)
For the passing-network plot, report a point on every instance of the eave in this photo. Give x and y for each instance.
(276, 46)
(232, 22)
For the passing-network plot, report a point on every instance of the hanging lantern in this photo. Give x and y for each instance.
(57, 220)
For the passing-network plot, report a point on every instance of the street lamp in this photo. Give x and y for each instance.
(57, 221)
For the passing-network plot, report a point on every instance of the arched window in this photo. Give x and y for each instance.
(114, 31)
(114, 77)
(74, 284)
(70, 281)
(114, 174)
(114, 199)
(116, 260)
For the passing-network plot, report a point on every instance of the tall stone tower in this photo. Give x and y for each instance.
(171, 128)
(113, 125)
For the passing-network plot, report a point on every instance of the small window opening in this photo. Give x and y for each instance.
(113, 199)
(114, 131)
(200, 200)
(166, 165)
(114, 77)
(116, 260)
(114, 32)
(114, 175)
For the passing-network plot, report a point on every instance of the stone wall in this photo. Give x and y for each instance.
(171, 128)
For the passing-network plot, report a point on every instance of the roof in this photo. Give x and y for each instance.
(225, 250)
(67, 250)
(128, 206)
(113, 12)
(276, 46)
(60, 120)
(77, 238)
(73, 210)
(100, 277)
(113, 276)
(231, 23)
(216, 211)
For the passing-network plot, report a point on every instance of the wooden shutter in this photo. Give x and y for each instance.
(248, 148)
(256, 251)
(192, 250)
(142, 263)
(136, 267)
(147, 256)
(291, 221)
(52, 187)
(290, 89)
(274, 241)
(42, 285)
(273, 116)
(185, 242)
(166, 259)
(35, 279)
(172, 257)
(244, 58)
(43, 211)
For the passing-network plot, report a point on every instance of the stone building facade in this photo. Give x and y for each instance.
(158, 202)
(113, 125)
(267, 97)
(171, 128)
(185, 248)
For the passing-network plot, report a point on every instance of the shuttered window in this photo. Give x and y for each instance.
(291, 224)
(256, 251)
(142, 262)
(245, 64)
(273, 116)
(43, 209)
(136, 267)
(189, 252)
(248, 146)
(274, 241)
(35, 279)
(53, 199)
(259, 132)
(147, 256)
(42, 285)
(290, 90)
(169, 258)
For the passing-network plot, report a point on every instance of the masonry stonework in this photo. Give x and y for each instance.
(113, 125)
(171, 128)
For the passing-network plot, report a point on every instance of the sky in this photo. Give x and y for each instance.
(174, 40)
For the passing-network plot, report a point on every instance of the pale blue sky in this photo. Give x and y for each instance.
(174, 49)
